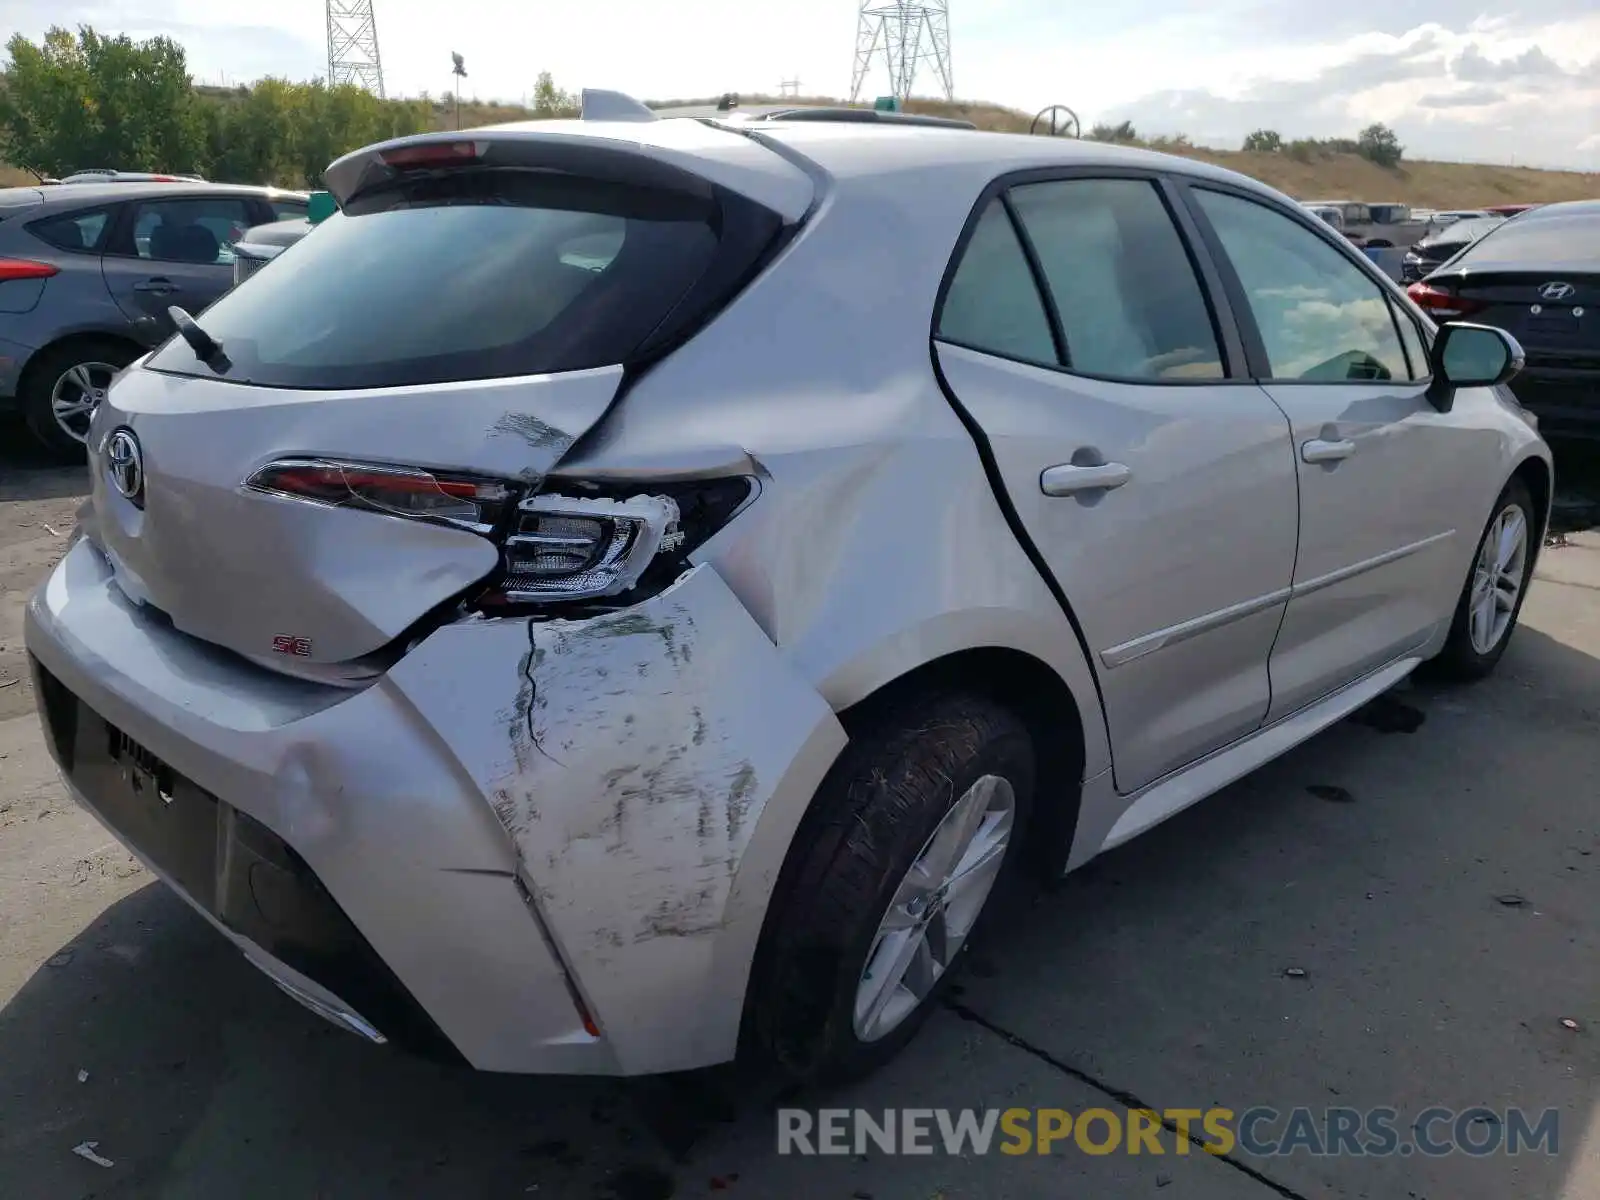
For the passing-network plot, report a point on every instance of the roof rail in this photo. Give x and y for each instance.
(602, 105)
(862, 115)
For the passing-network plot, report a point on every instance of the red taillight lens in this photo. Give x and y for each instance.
(1441, 302)
(24, 268)
(474, 504)
(433, 154)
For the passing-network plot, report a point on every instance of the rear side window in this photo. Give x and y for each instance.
(1130, 304)
(470, 275)
(73, 231)
(993, 304)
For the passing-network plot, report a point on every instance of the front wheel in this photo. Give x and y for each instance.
(1491, 600)
(893, 873)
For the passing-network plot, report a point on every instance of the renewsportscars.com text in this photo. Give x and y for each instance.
(1259, 1132)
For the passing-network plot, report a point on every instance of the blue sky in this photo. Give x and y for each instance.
(1516, 82)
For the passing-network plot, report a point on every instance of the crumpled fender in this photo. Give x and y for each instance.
(650, 767)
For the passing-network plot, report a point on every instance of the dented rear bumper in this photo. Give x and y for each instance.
(523, 820)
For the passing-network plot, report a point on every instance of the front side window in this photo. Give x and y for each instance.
(189, 231)
(1411, 338)
(1321, 317)
(1130, 304)
(288, 210)
(993, 304)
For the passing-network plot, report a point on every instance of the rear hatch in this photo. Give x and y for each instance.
(345, 462)
(1545, 309)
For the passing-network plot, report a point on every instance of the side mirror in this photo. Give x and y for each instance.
(1466, 355)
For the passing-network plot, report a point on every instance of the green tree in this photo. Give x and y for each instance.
(1123, 132)
(1378, 144)
(550, 101)
(283, 133)
(1264, 141)
(86, 100)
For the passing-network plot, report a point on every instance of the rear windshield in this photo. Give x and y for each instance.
(470, 275)
(1541, 241)
(1460, 233)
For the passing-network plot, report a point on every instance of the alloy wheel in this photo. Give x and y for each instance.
(935, 907)
(1497, 579)
(77, 393)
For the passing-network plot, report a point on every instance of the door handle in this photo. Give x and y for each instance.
(1325, 450)
(160, 286)
(1069, 479)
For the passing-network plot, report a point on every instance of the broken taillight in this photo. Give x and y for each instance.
(468, 503)
(554, 548)
(566, 547)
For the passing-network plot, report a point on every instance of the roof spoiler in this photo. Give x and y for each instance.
(601, 105)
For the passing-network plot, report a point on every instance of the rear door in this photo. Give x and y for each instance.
(173, 251)
(1154, 478)
(1387, 483)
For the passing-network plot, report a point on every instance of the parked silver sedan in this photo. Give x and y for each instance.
(627, 589)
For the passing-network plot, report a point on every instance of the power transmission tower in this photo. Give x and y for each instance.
(353, 46)
(903, 36)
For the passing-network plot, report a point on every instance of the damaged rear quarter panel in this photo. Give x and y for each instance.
(650, 767)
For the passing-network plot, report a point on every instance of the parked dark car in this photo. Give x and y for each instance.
(87, 273)
(261, 245)
(1438, 248)
(1536, 276)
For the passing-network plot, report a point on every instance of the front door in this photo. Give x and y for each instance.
(168, 252)
(1156, 481)
(1385, 479)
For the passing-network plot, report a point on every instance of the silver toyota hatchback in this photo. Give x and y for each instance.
(628, 590)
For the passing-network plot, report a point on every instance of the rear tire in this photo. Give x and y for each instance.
(867, 884)
(59, 380)
(1497, 583)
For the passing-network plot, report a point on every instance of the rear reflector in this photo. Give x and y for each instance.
(23, 268)
(433, 154)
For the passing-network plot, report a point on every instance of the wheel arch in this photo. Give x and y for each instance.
(1022, 682)
(1040, 698)
(1536, 475)
(77, 337)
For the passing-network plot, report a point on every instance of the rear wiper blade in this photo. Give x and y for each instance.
(206, 348)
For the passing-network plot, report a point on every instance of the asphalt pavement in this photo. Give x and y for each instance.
(1403, 913)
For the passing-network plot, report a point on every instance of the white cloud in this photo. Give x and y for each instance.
(1170, 66)
(1487, 91)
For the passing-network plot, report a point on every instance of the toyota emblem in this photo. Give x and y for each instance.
(1556, 291)
(125, 464)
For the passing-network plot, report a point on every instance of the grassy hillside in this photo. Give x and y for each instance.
(1333, 176)
(1429, 184)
